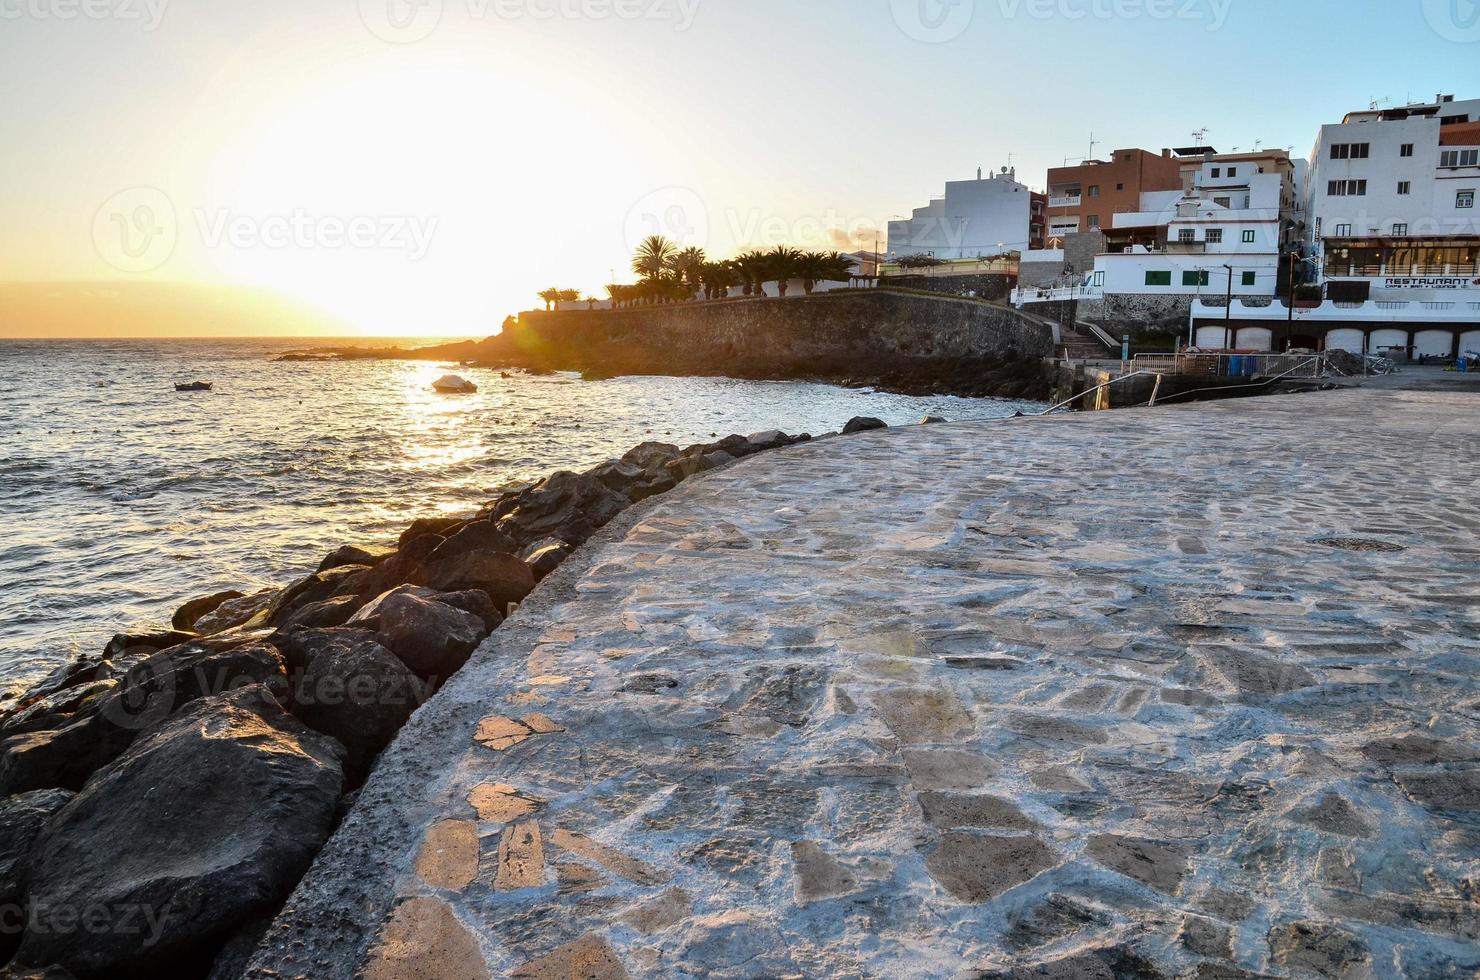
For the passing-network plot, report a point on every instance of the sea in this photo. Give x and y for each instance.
(120, 498)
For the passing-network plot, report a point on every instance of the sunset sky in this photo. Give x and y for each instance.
(425, 166)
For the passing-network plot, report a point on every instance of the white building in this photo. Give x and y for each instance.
(1392, 215)
(978, 217)
(1221, 236)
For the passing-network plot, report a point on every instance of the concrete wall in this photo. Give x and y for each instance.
(906, 340)
(984, 285)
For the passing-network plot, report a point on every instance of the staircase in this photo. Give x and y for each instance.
(1075, 346)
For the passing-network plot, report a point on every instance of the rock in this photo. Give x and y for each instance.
(310, 589)
(205, 823)
(1106, 963)
(475, 536)
(322, 615)
(977, 869)
(187, 615)
(395, 570)
(127, 647)
(149, 692)
(715, 460)
(233, 613)
(348, 686)
(618, 475)
(686, 466)
(431, 638)
(951, 810)
(478, 603)
(22, 819)
(351, 554)
(1455, 792)
(419, 929)
(1417, 750)
(651, 454)
(1317, 947)
(1162, 866)
(819, 875)
(932, 420)
(1055, 918)
(504, 577)
(545, 556)
(1206, 937)
(770, 439)
(863, 423)
(1334, 815)
(569, 506)
(435, 526)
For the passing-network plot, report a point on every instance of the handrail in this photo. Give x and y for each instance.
(1258, 384)
(1103, 384)
(1104, 337)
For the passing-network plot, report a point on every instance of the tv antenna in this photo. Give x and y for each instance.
(1092, 144)
(1198, 136)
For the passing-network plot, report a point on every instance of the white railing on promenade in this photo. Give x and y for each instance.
(1043, 294)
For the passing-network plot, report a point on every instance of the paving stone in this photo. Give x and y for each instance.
(609, 858)
(588, 958)
(976, 869)
(1452, 791)
(1206, 937)
(948, 768)
(521, 858)
(668, 909)
(918, 715)
(1053, 919)
(951, 810)
(423, 940)
(501, 803)
(1333, 814)
(1162, 866)
(1318, 947)
(449, 855)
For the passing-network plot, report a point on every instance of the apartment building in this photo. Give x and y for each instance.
(1086, 197)
(987, 216)
(1205, 164)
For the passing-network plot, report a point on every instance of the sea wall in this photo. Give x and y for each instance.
(899, 341)
(993, 286)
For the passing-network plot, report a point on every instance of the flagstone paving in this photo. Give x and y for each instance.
(1183, 692)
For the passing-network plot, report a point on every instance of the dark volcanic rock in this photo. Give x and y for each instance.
(186, 616)
(503, 576)
(478, 603)
(393, 571)
(352, 554)
(428, 525)
(311, 589)
(322, 615)
(22, 818)
(651, 454)
(126, 647)
(570, 506)
(543, 557)
(430, 637)
(475, 536)
(153, 689)
(347, 685)
(206, 823)
(863, 423)
(234, 612)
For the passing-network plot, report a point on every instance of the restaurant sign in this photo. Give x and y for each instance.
(1430, 282)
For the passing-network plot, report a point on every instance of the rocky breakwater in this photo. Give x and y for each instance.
(902, 342)
(163, 798)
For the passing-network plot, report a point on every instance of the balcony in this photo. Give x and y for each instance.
(1064, 202)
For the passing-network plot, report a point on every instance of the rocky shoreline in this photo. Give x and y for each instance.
(162, 799)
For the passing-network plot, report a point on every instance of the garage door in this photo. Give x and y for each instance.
(1470, 341)
(1212, 338)
(1388, 338)
(1344, 339)
(1434, 343)
(1254, 338)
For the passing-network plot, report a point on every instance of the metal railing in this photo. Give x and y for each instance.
(1234, 365)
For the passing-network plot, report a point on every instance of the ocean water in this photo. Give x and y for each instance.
(120, 498)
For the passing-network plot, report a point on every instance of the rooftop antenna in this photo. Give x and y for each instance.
(1092, 144)
(1258, 145)
(1199, 135)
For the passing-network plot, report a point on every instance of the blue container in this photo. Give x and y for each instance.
(1251, 366)
(1236, 366)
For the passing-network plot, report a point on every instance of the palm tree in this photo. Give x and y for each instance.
(686, 265)
(653, 256)
(815, 267)
(569, 296)
(551, 296)
(781, 265)
(751, 268)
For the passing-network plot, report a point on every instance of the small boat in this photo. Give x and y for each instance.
(451, 384)
(195, 386)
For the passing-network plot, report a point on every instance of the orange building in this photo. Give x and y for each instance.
(1086, 197)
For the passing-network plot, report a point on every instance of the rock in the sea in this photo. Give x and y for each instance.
(474, 536)
(234, 612)
(393, 571)
(205, 823)
(543, 557)
(428, 525)
(127, 647)
(22, 818)
(932, 420)
(351, 554)
(503, 576)
(652, 454)
(432, 638)
(311, 589)
(863, 423)
(322, 615)
(570, 506)
(347, 685)
(187, 615)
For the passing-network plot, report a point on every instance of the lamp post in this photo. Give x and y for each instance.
(1228, 312)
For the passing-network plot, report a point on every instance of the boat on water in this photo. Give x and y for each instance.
(451, 384)
(195, 386)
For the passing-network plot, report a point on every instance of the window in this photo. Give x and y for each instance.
(1217, 172)
(1195, 278)
(1223, 202)
(1346, 188)
(1464, 199)
(1158, 278)
(1248, 237)
(1399, 228)
(1233, 171)
(1094, 190)
(1405, 187)
(1406, 150)
(1459, 158)
(1453, 120)
(1215, 236)
(1343, 231)
(1186, 234)
(1120, 187)
(1350, 151)
(1094, 221)
(1250, 278)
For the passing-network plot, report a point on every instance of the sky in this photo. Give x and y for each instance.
(404, 167)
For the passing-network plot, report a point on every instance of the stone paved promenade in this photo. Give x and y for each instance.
(1182, 692)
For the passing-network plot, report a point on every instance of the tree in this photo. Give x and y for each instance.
(653, 257)
(569, 296)
(686, 265)
(751, 268)
(919, 261)
(781, 265)
(815, 267)
(551, 296)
